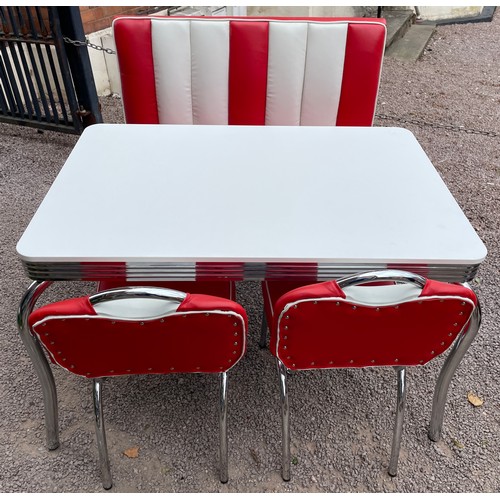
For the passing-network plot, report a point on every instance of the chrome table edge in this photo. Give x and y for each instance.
(231, 271)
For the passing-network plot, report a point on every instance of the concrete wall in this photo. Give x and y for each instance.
(104, 66)
(296, 11)
(448, 12)
(430, 13)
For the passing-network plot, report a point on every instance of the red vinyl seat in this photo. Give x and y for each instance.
(342, 324)
(250, 71)
(143, 330)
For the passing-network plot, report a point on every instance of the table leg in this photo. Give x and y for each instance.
(448, 370)
(100, 432)
(39, 361)
(285, 422)
(223, 459)
(398, 426)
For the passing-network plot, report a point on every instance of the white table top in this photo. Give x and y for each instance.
(166, 197)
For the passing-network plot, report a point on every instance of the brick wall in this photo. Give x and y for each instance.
(99, 18)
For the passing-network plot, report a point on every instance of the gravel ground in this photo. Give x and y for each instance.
(341, 420)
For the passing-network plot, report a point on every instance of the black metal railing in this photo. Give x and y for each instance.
(37, 78)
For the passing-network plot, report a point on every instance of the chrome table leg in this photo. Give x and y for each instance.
(224, 475)
(398, 425)
(457, 352)
(101, 434)
(39, 361)
(285, 422)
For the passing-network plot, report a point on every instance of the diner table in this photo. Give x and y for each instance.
(203, 202)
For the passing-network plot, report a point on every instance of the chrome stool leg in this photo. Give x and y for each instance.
(398, 426)
(285, 422)
(263, 331)
(224, 474)
(101, 434)
(40, 363)
(457, 352)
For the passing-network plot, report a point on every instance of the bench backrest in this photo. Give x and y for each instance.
(250, 71)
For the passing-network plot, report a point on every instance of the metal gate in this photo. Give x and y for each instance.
(45, 83)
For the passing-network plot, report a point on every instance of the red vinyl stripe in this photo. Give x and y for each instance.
(248, 57)
(135, 58)
(361, 74)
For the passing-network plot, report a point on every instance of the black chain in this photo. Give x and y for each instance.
(423, 123)
(79, 43)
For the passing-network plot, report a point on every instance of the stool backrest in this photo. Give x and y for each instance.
(143, 330)
(326, 326)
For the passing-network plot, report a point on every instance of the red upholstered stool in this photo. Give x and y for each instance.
(143, 330)
(345, 325)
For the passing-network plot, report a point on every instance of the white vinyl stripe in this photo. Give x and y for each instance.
(171, 43)
(210, 72)
(323, 73)
(136, 308)
(381, 295)
(285, 77)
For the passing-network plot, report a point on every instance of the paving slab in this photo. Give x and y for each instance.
(412, 45)
(398, 23)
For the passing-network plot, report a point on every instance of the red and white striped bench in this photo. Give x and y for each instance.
(250, 71)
